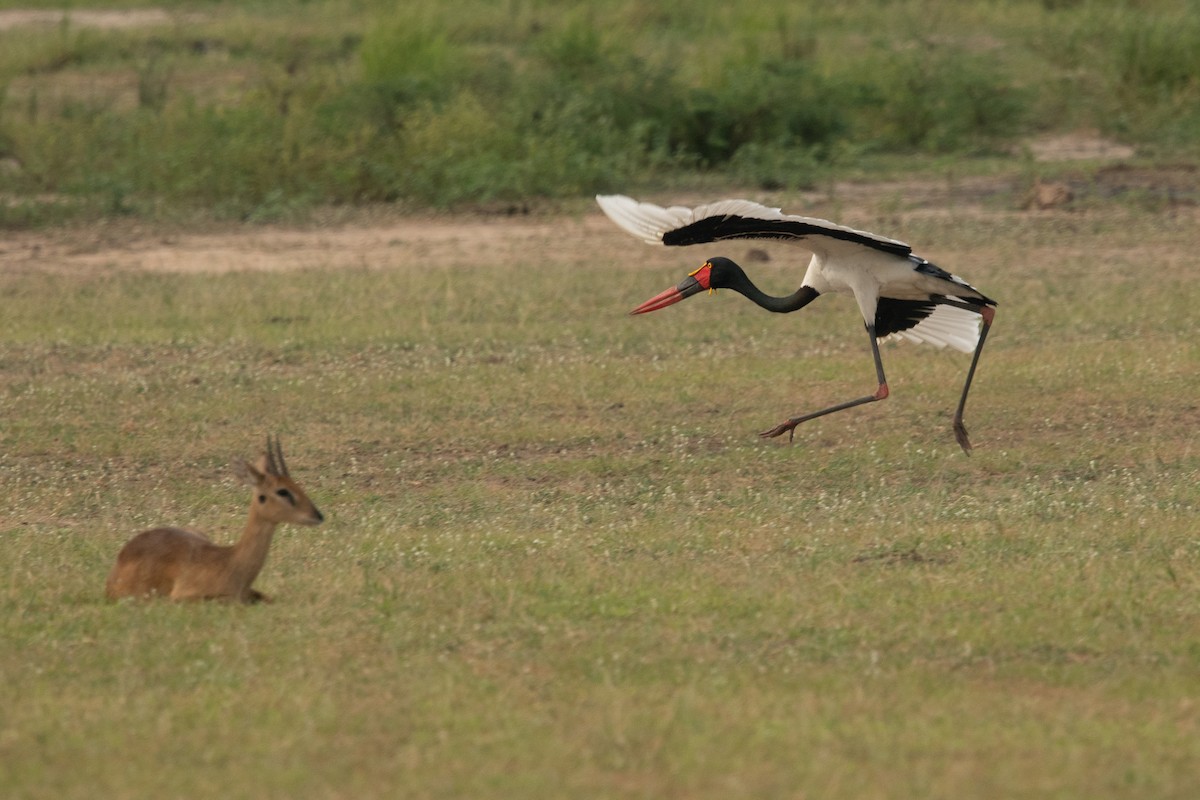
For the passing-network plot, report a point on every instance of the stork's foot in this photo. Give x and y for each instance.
(788, 427)
(960, 435)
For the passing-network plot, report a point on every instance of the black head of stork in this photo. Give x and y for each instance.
(723, 273)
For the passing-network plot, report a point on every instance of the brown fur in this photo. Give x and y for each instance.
(187, 565)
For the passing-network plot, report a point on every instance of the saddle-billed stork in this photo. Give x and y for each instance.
(900, 295)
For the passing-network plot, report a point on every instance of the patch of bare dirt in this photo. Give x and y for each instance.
(386, 239)
(115, 19)
(1078, 147)
(447, 242)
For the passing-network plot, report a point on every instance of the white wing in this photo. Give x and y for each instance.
(945, 326)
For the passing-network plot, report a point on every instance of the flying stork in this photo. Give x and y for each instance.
(900, 295)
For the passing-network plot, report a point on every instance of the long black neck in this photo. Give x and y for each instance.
(792, 302)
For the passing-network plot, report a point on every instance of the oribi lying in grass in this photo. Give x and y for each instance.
(186, 565)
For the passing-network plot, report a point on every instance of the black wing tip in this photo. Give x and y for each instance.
(732, 226)
(894, 316)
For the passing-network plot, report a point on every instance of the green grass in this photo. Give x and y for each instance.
(558, 561)
(264, 111)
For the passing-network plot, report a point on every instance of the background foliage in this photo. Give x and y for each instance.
(254, 109)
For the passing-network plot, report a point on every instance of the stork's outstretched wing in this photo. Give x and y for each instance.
(731, 219)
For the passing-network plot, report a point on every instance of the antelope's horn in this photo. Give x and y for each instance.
(277, 458)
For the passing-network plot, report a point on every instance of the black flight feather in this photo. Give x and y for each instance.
(715, 229)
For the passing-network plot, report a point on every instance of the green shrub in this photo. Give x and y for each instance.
(942, 100)
(1133, 72)
(778, 103)
(1156, 53)
(331, 102)
(411, 62)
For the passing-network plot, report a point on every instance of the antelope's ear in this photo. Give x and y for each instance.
(249, 474)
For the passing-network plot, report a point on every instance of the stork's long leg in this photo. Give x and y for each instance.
(960, 431)
(881, 393)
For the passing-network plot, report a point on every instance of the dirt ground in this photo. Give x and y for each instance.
(447, 242)
(116, 19)
(378, 240)
(382, 238)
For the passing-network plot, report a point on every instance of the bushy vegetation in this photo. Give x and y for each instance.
(254, 110)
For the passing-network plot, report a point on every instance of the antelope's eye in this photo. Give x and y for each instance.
(286, 495)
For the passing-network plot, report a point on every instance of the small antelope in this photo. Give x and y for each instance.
(187, 565)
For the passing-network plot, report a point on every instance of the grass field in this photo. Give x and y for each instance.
(558, 560)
